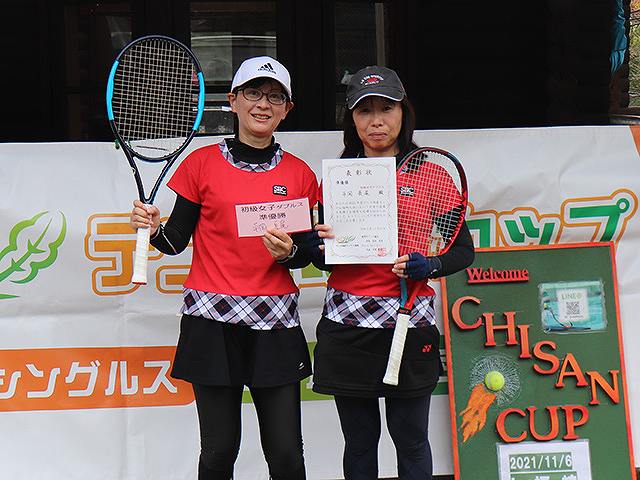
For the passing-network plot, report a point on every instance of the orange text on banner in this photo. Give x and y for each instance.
(86, 378)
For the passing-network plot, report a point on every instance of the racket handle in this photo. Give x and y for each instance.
(397, 347)
(142, 253)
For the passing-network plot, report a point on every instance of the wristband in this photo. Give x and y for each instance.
(292, 254)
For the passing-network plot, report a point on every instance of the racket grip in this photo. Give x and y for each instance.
(397, 348)
(142, 253)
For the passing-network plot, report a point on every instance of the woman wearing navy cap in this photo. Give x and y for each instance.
(355, 331)
(240, 324)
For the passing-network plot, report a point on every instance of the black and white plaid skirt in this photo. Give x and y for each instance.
(210, 352)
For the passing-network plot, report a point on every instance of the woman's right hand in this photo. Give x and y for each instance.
(144, 216)
(316, 240)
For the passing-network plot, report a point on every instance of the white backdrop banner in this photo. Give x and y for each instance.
(85, 391)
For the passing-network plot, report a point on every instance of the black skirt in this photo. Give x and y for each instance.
(351, 361)
(217, 353)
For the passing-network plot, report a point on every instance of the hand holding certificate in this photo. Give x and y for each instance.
(359, 199)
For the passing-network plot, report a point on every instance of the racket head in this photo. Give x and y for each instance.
(155, 98)
(432, 201)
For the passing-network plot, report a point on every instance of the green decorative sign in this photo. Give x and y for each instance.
(535, 366)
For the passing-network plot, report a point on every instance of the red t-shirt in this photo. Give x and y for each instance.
(222, 261)
(374, 280)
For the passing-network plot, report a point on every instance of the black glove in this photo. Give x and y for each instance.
(420, 267)
(313, 244)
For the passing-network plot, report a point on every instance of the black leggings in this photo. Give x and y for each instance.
(407, 421)
(278, 410)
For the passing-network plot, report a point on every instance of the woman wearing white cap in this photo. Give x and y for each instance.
(240, 323)
(355, 331)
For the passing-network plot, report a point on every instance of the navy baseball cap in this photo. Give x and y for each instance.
(374, 81)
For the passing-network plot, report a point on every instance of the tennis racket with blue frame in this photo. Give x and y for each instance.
(155, 101)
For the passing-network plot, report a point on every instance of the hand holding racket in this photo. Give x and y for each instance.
(144, 216)
(155, 100)
(417, 267)
(432, 200)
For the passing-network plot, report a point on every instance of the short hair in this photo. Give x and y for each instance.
(255, 83)
(353, 145)
(258, 83)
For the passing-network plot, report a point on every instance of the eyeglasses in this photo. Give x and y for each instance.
(254, 95)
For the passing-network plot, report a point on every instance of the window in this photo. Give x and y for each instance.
(223, 35)
(361, 40)
(94, 34)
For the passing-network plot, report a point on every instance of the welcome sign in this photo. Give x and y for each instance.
(536, 372)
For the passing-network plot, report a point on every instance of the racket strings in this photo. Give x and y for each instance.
(164, 79)
(431, 204)
(155, 97)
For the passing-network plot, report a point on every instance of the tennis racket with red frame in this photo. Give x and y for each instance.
(432, 201)
(155, 101)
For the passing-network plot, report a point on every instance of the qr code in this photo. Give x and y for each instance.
(573, 308)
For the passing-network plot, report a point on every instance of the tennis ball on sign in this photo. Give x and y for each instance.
(494, 381)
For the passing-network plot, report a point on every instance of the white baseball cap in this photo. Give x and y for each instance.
(259, 67)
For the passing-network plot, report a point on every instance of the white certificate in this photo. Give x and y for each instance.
(359, 200)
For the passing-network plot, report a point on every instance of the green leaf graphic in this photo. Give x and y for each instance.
(53, 252)
(30, 258)
(13, 234)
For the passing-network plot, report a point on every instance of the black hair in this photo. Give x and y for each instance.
(254, 83)
(259, 82)
(353, 146)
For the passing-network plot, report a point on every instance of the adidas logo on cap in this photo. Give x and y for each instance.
(267, 67)
(263, 66)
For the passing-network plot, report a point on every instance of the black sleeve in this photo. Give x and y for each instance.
(301, 258)
(174, 237)
(460, 255)
(317, 255)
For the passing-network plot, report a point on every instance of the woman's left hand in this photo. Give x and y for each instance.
(278, 243)
(400, 265)
(416, 266)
